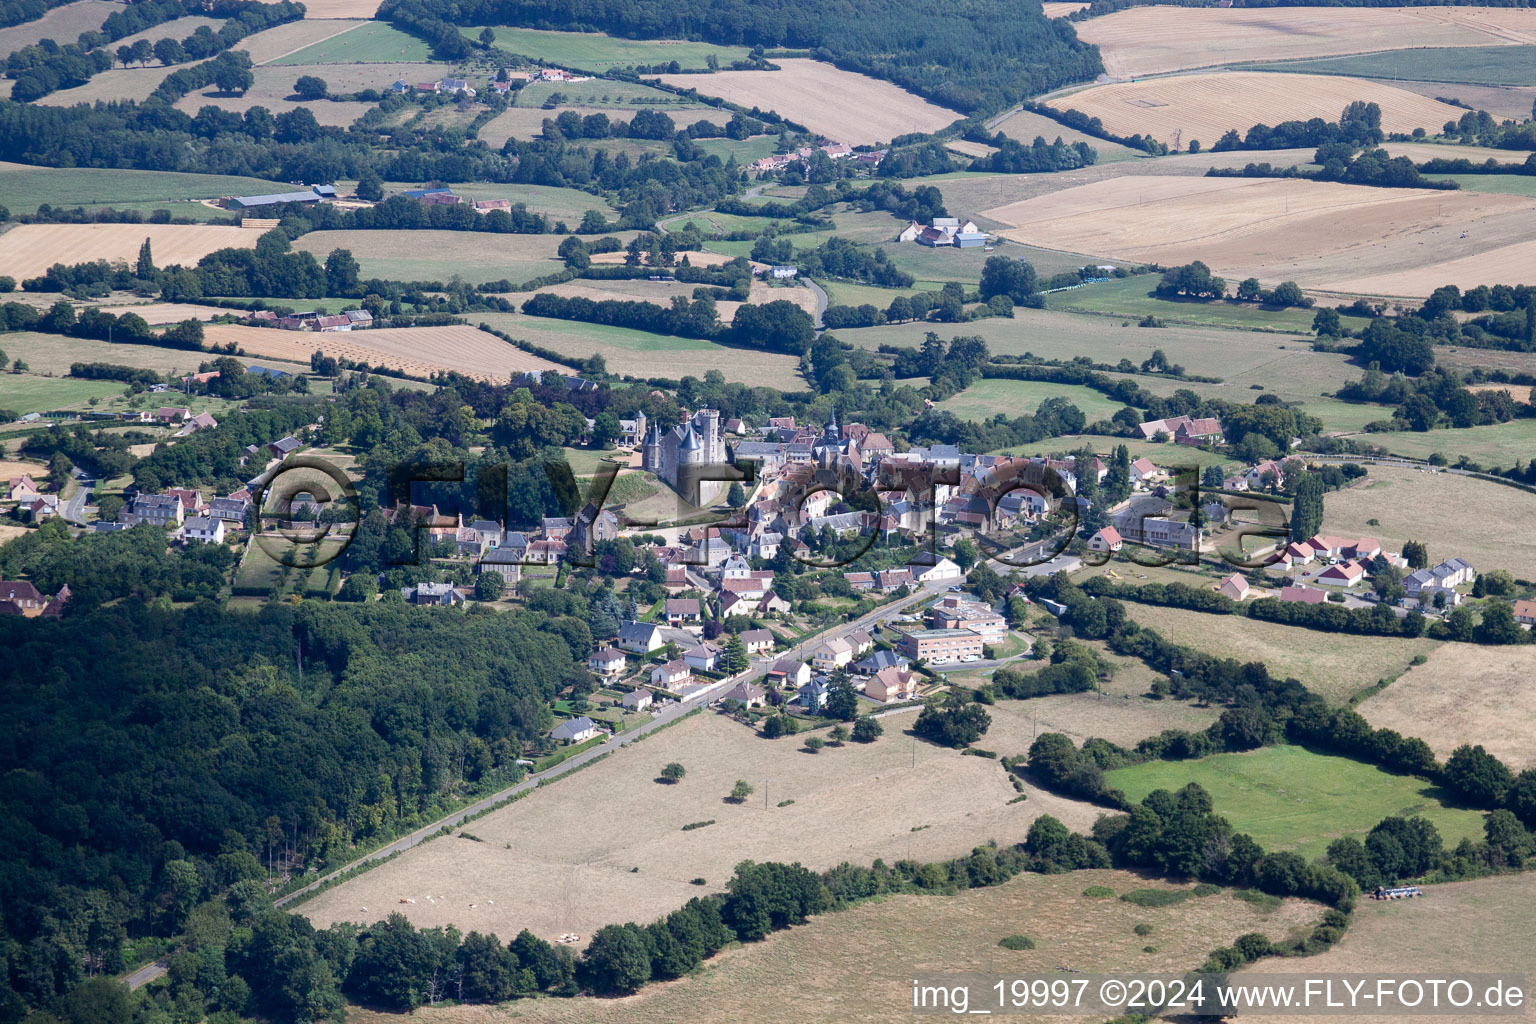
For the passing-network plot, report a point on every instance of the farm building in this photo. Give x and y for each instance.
(314, 194)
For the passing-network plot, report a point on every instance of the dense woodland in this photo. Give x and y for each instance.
(974, 56)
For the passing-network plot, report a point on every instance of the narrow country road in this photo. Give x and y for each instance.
(821, 301)
(670, 714)
(146, 974)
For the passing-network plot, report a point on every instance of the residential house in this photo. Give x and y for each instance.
(704, 658)
(879, 660)
(441, 595)
(1525, 613)
(757, 641)
(832, 654)
(790, 672)
(683, 611)
(1343, 574)
(608, 663)
(231, 509)
(640, 637)
(1234, 587)
(1199, 431)
(545, 552)
(1303, 595)
(22, 596)
(506, 562)
(749, 694)
(283, 447)
(1106, 541)
(202, 421)
(672, 675)
(574, 730)
(813, 694)
(202, 530)
(860, 641)
(170, 414)
(557, 527)
(44, 506)
(637, 700)
(891, 684)
(159, 509)
(24, 489)
(1143, 471)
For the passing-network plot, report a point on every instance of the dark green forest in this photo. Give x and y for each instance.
(974, 56)
(156, 756)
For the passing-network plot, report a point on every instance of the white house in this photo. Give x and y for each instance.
(939, 572)
(638, 700)
(703, 658)
(832, 654)
(673, 674)
(608, 662)
(640, 637)
(202, 530)
(575, 730)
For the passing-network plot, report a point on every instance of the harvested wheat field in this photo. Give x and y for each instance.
(857, 965)
(36, 470)
(1203, 107)
(1332, 665)
(117, 84)
(1483, 926)
(318, 9)
(30, 249)
(53, 353)
(560, 859)
(1320, 234)
(1119, 719)
(1465, 693)
(417, 351)
(1156, 40)
(1488, 524)
(528, 122)
(1508, 264)
(695, 259)
(290, 37)
(844, 106)
(158, 313)
(61, 24)
(1518, 392)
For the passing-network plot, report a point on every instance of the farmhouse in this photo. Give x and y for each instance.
(24, 488)
(1525, 613)
(576, 730)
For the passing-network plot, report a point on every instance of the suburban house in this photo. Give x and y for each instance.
(757, 641)
(608, 662)
(940, 644)
(1423, 585)
(1143, 471)
(703, 658)
(749, 694)
(640, 637)
(1344, 574)
(1106, 541)
(672, 674)
(891, 684)
(202, 530)
(790, 672)
(1344, 547)
(575, 730)
(1303, 595)
(879, 660)
(832, 654)
(813, 694)
(637, 700)
(683, 611)
(939, 572)
(1233, 586)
